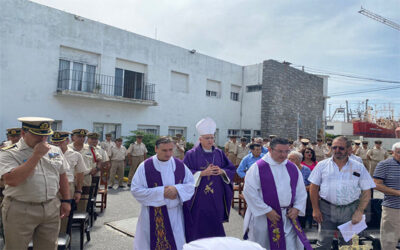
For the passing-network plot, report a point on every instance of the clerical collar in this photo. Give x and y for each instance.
(207, 150)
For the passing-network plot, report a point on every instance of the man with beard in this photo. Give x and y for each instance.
(340, 191)
(213, 174)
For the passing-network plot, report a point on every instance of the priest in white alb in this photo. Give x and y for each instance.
(275, 194)
(161, 184)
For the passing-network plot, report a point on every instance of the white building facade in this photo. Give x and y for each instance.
(85, 74)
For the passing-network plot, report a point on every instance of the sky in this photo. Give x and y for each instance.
(326, 37)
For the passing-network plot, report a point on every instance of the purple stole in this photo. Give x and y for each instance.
(276, 233)
(161, 235)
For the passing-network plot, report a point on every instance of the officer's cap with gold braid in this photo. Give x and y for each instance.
(93, 135)
(13, 131)
(37, 125)
(80, 131)
(59, 136)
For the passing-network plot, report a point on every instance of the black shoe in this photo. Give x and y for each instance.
(121, 186)
(109, 187)
(129, 185)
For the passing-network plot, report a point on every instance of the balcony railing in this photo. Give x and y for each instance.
(86, 82)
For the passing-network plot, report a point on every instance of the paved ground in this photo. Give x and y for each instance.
(122, 206)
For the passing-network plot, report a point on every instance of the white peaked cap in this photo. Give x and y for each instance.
(206, 126)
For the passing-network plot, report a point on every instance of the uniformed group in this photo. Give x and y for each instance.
(43, 172)
(361, 151)
(40, 180)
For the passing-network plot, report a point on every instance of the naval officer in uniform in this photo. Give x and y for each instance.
(33, 172)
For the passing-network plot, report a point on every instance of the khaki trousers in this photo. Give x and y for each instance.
(372, 166)
(136, 160)
(26, 221)
(238, 160)
(390, 228)
(366, 164)
(117, 167)
(232, 157)
(64, 221)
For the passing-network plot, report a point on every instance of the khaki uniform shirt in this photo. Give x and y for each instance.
(104, 154)
(231, 147)
(44, 184)
(7, 143)
(327, 151)
(88, 156)
(107, 145)
(361, 152)
(177, 152)
(118, 154)
(136, 149)
(377, 154)
(242, 151)
(76, 164)
(319, 151)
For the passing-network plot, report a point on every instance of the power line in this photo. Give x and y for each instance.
(361, 91)
(347, 75)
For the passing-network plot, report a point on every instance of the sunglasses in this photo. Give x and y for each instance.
(378, 142)
(336, 147)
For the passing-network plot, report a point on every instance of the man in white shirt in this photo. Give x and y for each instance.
(271, 220)
(336, 186)
(161, 184)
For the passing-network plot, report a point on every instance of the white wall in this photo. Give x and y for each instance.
(30, 51)
(340, 128)
(251, 103)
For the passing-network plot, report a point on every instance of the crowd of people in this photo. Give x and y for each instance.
(186, 197)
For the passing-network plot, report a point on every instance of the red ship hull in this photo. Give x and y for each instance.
(368, 129)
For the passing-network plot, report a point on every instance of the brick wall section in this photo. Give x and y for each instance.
(287, 91)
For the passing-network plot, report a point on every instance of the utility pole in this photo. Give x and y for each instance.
(347, 111)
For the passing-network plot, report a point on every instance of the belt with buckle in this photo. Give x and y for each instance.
(328, 202)
(34, 203)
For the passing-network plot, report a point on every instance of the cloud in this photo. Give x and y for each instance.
(320, 34)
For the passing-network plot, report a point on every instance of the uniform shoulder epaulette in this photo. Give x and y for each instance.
(8, 147)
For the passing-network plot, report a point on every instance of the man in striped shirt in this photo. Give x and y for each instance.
(387, 180)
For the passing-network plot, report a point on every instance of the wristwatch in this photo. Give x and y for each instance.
(66, 201)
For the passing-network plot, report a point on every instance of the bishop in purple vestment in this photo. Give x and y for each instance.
(213, 173)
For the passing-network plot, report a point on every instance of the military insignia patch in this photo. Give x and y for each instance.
(44, 125)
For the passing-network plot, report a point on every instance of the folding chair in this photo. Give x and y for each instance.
(102, 191)
(83, 220)
(236, 183)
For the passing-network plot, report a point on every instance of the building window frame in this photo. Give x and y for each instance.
(149, 129)
(253, 88)
(173, 130)
(103, 128)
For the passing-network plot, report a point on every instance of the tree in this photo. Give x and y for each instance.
(148, 139)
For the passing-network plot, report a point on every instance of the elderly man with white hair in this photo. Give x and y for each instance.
(213, 173)
(387, 180)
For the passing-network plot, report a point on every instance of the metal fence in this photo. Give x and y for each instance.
(105, 85)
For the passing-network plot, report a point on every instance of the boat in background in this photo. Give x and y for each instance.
(369, 129)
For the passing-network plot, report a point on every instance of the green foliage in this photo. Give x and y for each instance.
(148, 139)
(330, 136)
(189, 146)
